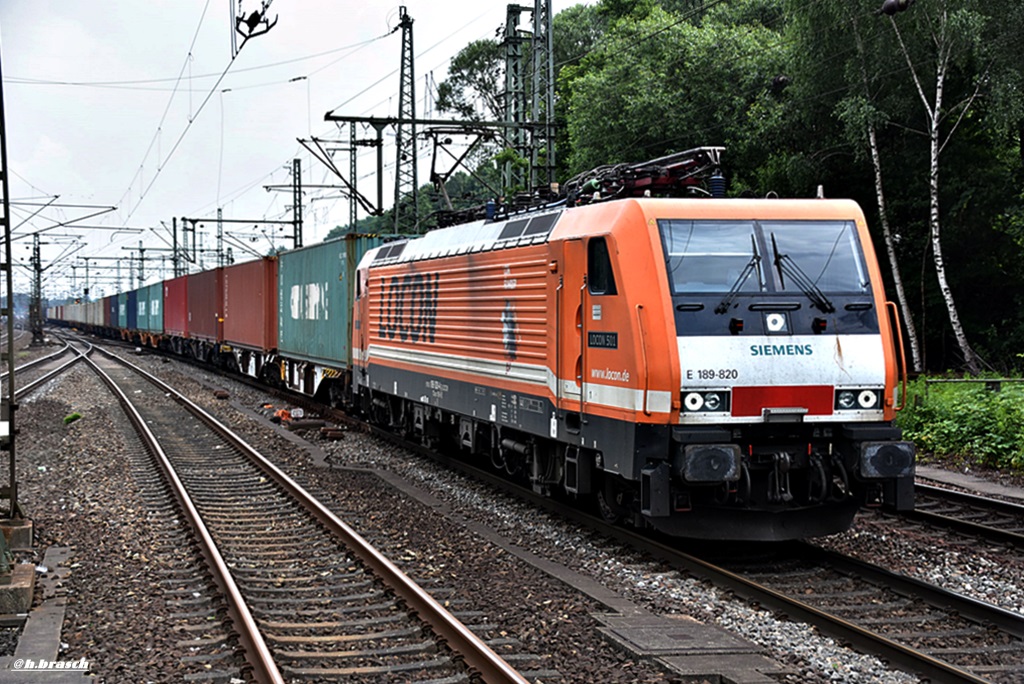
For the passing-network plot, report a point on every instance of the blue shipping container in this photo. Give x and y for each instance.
(132, 305)
(112, 318)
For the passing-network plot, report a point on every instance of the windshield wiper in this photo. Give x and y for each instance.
(724, 305)
(785, 265)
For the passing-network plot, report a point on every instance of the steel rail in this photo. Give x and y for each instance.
(36, 362)
(257, 653)
(981, 530)
(996, 505)
(491, 668)
(866, 640)
(30, 387)
(836, 626)
(980, 611)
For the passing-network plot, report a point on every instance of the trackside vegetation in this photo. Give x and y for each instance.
(968, 423)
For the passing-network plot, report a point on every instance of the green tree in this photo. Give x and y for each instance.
(474, 87)
(849, 31)
(661, 84)
(866, 103)
(576, 31)
(954, 32)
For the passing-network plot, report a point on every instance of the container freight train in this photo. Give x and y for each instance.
(711, 368)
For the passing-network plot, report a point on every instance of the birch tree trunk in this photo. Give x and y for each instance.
(890, 245)
(933, 113)
(970, 358)
(890, 248)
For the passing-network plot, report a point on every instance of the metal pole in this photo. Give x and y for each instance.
(379, 142)
(352, 174)
(220, 238)
(174, 250)
(35, 313)
(9, 407)
(406, 216)
(297, 201)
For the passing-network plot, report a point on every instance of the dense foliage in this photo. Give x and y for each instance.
(796, 90)
(971, 423)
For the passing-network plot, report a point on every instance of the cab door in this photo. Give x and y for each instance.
(588, 335)
(570, 336)
(361, 325)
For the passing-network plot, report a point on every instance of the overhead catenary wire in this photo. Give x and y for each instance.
(163, 117)
(175, 79)
(236, 194)
(140, 191)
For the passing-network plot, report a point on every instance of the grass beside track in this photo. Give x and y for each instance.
(975, 423)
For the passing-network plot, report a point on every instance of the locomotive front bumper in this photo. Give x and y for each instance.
(886, 460)
(707, 463)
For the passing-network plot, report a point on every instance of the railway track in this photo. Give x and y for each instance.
(927, 629)
(977, 516)
(37, 372)
(914, 625)
(306, 596)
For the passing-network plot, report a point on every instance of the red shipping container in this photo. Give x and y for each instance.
(250, 304)
(176, 307)
(205, 298)
(110, 311)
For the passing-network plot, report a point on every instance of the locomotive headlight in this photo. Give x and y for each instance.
(693, 401)
(863, 399)
(867, 399)
(715, 401)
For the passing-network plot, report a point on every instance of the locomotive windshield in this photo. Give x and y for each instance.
(809, 257)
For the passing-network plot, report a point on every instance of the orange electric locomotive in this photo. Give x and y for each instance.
(713, 368)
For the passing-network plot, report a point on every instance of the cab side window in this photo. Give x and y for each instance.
(600, 277)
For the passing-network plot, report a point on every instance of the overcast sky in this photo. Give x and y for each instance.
(116, 103)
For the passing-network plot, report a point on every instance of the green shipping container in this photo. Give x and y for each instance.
(151, 308)
(141, 309)
(122, 311)
(316, 287)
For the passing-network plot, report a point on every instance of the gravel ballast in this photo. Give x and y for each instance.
(76, 490)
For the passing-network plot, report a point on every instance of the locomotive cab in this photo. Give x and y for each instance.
(787, 370)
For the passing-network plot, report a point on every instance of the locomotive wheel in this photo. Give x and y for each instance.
(611, 502)
(336, 395)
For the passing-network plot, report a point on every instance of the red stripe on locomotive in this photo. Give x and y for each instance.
(750, 401)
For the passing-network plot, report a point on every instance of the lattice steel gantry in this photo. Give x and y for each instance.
(406, 190)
